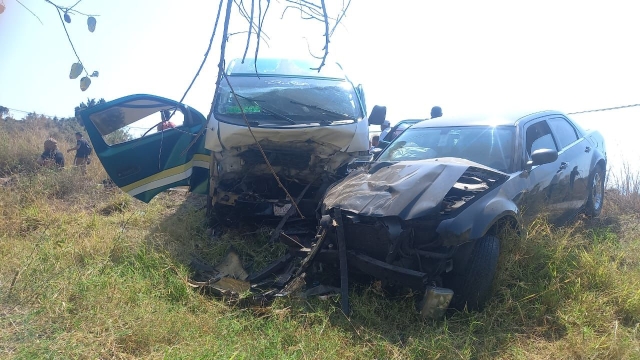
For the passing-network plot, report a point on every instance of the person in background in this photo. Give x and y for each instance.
(51, 154)
(375, 140)
(83, 150)
(436, 112)
(385, 128)
(166, 123)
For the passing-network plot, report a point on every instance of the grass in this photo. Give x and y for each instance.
(88, 272)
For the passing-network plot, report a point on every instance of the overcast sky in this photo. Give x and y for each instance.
(410, 55)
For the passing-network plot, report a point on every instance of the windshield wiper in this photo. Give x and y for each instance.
(275, 114)
(326, 111)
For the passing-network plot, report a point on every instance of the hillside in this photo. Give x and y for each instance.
(89, 272)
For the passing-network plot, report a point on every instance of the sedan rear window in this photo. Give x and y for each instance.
(487, 145)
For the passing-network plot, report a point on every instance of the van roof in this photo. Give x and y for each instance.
(284, 67)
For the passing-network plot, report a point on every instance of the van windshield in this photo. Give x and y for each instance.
(274, 101)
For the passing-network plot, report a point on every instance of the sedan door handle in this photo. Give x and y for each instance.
(587, 149)
(564, 165)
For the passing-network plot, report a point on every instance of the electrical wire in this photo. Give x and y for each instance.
(604, 109)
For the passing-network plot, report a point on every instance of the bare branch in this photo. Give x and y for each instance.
(246, 49)
(307, 3)
(69, 10)
(344, 12)
(245, 15)
(74, 5)
(309, 48)
(260, 25)
(326, 37)
(206, 54)
(302, 11)
(70, 42)
(29, 10)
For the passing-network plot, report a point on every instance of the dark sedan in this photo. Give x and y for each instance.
(427, 213)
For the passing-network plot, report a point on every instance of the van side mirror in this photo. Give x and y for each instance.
(541, 157)
(378, 115)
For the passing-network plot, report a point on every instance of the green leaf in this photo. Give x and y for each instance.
(91, 23)
(76, 70)
(84, 83)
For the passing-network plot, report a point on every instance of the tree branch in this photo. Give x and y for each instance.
(70, 42)
(246, 49)
(206, 54)
(326, 37)
(29, 10)
(260, 25)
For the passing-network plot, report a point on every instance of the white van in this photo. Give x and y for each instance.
(309, 125)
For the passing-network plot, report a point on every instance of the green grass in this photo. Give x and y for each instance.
(96, 283)
(87, 272)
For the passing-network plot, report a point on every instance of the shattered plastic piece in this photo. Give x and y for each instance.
(321, 291)
(294, 286)
(231, 266)
(227, 284)
(435, 303)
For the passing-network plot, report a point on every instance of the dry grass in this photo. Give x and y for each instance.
(87, 272)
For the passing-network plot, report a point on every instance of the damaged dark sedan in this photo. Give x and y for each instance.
(427, 213)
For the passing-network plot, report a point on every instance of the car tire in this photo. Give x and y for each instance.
(472, 276)
(593, 208)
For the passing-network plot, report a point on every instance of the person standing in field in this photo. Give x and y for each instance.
(83, 150)
(51, 155)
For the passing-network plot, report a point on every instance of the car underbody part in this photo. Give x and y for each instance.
(342, 257)
(291, 211)
(332, 245)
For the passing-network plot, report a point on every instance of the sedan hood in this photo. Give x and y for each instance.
(411, 189)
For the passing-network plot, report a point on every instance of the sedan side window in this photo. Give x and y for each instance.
(538, 137)
(564, 132)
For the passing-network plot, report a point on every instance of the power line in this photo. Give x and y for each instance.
(30, 112)
(605, 109)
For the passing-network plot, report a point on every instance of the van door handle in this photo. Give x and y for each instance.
(564, 165)
(587, 149)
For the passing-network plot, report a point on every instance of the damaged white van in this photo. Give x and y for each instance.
(280, 132)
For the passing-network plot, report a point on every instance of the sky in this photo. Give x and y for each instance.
(409, 55)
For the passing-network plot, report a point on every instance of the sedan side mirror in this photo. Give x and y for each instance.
(541, 157)
(378, 115)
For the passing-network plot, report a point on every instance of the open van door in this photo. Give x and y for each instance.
(148, 144)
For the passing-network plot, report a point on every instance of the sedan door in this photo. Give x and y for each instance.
(575, 161)
(148, 144)
(541, 181)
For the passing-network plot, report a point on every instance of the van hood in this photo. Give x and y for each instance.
(221, 136)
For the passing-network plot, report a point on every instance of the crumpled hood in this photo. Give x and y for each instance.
(407, 189)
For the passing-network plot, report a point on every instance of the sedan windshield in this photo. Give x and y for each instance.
(285, 101)
(486, 145)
